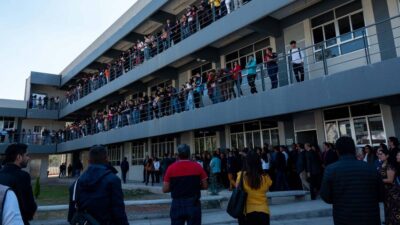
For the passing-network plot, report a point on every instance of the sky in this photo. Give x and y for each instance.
(47, 35)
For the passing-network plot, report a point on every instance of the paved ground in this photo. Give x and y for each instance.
(312, 221)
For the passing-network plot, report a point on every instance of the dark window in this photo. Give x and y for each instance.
(259, 57)
(261, 44)
(243, 62)
(326, 17)
(330, 34)
(336, 113)
(206, 67)
(268, 124)
(357, 20)
(232, 56)
(246, 50)
(252, 126)
(237, 128)
(348, 8)
(195, 71)
(318, 35)
(365, 109)
(344, 29)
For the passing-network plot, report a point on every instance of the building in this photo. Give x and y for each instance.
(350, 50)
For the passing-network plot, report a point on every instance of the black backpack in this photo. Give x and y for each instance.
(81, 217)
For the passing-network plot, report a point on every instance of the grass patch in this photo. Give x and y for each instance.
(59, 195)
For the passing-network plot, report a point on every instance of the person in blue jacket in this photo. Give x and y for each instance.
(251, 74)
(98, 191)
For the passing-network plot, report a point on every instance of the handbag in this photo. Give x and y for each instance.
(237, 202)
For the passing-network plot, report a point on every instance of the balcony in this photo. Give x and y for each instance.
(253, 11)
(330, 80)
(37, 143)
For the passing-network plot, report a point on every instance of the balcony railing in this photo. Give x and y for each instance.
(148, 49)
(30, 138)
(228, 85)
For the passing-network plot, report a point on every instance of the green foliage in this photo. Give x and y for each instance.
(36, 189)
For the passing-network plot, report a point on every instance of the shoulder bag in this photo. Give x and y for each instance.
(237, 202)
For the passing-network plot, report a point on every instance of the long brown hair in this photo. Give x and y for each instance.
(253, 170)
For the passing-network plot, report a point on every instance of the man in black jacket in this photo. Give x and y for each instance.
(16, 158)
(98, 191)
(330, 156)
(353, 187)
(124, 169)
(314, 170)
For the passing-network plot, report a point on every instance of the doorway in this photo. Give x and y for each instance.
(309, 136)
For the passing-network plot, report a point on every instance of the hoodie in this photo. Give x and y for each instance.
(99, 193)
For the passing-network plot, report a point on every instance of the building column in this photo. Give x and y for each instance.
(319, 126)
(388, 120)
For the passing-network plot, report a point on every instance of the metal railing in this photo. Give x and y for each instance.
(149, 48)
(317, 60)
(8, 137)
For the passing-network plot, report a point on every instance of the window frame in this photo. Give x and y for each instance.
(317, 49)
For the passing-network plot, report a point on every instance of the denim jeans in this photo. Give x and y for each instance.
(175, 105)
(185, 211)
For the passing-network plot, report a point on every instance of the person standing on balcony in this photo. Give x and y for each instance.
(12, 175)
(237, 78)
(271, 59)
(185, 179)
(251, 73)
(296, 58)
(237, 3)
(228, 4)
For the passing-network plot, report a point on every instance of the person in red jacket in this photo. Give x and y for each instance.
(237, 78)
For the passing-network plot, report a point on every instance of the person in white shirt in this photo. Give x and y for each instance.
(156, 164)
(296, 58)
(11, 214)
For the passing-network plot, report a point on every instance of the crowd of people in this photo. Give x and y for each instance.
(45, 102)
(173, 31)
(354, 182)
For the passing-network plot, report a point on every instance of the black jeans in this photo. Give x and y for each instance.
(150, 174)
(298, 70)
(251, 79)
(315, 185)
(124, 176)
(185, 211)
(273, 75)
(254, 218)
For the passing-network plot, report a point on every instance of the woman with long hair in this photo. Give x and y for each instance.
(256, 184)
(391, 190)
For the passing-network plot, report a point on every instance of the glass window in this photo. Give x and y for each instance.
(266, 137)
(336, 113)
(332, 133)
(330, 34)
(259, 57)
(252, 126)
(318, 35)
(275, 137)
(262, 44)
(344, 29)
(348, 8)
(240, 138)
(352, 46)
(361, 131)
(114, 154)
(234, 141)
(249, 140)
(344, 128)
(357, 21)
(231, 57)
(324, 18)
(257, 139)
(246, 50)
(376, 128)
(365, 109)
(137, 153)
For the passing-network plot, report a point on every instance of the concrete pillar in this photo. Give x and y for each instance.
(388, 121)
(396, 120)
(319, 126)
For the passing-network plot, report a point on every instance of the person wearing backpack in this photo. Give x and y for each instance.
(96, 196)
(296, 58)
(10, 213)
